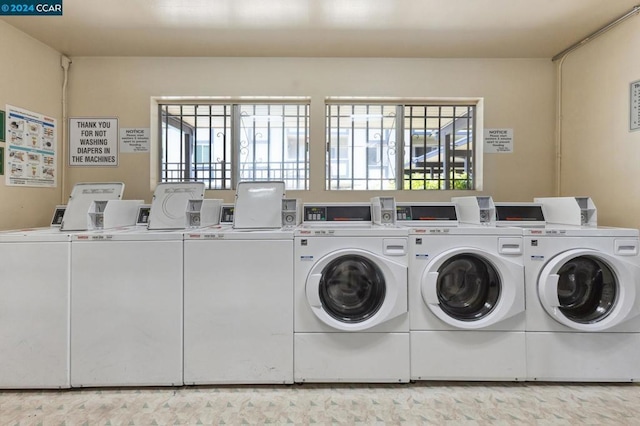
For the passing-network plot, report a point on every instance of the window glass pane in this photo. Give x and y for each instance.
(437, 141)
(438, 147)
(272, 143)
(361, 142)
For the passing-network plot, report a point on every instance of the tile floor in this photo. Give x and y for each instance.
(410, 404)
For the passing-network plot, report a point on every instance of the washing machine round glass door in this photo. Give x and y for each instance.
(587, 290)
(352, 288)
(468, 287)
(355, 290)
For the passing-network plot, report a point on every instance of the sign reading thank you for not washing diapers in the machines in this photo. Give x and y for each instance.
(93, 142)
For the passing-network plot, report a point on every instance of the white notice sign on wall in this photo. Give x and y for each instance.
(93, 142)
(634, 121)
(134, 139)
(498, 141)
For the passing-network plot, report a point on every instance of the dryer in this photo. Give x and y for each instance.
(466, 295)
(583, 302)
(350, 297)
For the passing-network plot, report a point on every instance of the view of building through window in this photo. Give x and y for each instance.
(221, 144)
(395, 146)
(376, 146)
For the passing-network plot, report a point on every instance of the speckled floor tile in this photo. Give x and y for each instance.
(425, 403)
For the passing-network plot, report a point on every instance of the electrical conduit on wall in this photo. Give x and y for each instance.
(562, 56)
(64, 63)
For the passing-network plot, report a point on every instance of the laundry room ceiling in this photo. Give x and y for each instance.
(321, 28)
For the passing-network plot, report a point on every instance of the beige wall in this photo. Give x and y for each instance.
(30, 78)
(600, 156)
(517, 94)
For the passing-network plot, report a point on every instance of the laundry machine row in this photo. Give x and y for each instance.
(362, 292)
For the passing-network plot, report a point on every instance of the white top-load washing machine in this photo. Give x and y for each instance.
(350, 288)
(34, 294)
(583, 299)
(238, 285)
(34, 309)
(466, 293)
(127, 296)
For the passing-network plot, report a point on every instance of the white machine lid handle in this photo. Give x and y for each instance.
(313, 293)
(550, 291)
(429, 292)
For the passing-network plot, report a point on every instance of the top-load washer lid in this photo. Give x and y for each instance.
(580, 211)
(81, 199)
(259, 205)
(478, 210)
(426, 214)
(520, 215)
(170, 202)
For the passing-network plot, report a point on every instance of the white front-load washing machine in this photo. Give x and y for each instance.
(583, 301)
(466, 303)
(350, 297)
(466, 295)
(127, 297)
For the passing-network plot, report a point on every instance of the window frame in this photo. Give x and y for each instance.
(402, 104)
(233, 104)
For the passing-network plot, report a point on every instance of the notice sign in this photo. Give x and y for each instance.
(93, 142)
(498, 141)
(134, 140)
(634, 122)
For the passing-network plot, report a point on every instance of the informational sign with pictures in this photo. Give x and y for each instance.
(2, 125)
(634, 120)
(31, 148)
(93, 142)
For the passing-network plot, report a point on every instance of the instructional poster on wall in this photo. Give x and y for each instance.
(498, 141)
(93, 142)
(30, 155)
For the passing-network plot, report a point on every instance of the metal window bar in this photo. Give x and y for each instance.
(451, 160)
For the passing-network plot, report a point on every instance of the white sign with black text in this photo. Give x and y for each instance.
(133, 139)
(634, 108)
(93, 142)
(498, 141)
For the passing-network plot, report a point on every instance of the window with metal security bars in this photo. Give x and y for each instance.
(400, 146)
(222, 144)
